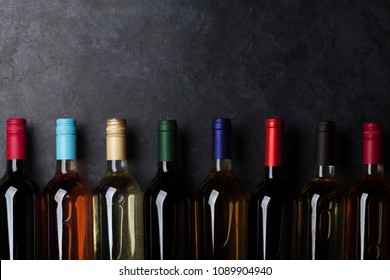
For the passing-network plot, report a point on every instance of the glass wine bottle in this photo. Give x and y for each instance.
(322, 205)
(368, 214)
(272, 207)
(221, 204)
(67, 203)
(118, 201)
(19, 200)
(168, 203)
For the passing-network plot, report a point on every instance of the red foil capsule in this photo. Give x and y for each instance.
(372, 143)
(16, 139)
(274, 142)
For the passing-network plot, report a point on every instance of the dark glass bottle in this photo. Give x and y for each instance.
(368, 214)
(118, 203)
(221, 204)
(168, 204)
(67, 203)
(272, 207)
(322, 205)
(19, 200)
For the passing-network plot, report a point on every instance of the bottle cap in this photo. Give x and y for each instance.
(66, 139)
(222, 139)
(325, 143)
(372, 143)
(274, 142)
(16, 138)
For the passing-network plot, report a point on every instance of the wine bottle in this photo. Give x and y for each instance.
(19, 200)
(221, 204)
(168, 203)
(272, 207)
(368, 214)
(119, 202)
(322, 204)
(67, 203)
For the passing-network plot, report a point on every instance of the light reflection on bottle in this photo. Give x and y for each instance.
(9, 198)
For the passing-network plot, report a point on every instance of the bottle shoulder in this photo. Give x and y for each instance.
(225, 182)
(323, 187)
(69, 183)
(168, 182)
(121, 181)
(274, 186)
(20, 182)
(375, 185)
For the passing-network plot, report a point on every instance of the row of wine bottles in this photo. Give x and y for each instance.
(223, 221)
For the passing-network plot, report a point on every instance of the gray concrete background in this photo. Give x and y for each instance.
(193, 61)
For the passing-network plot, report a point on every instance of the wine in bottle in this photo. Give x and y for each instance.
(368, 214)
(221, 204)
(67, 203)
(118, 201)
(322, 205)
(168, 203)
(19, 200)
(272, 207)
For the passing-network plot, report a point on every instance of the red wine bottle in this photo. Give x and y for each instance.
(19, 200)
(221, 204)
(67, 203)
(322, 205)
(272, 207)
(168, 203)
(368, 215)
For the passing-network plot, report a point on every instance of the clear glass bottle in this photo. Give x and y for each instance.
(368, 214)
(67, 203)
(322, 205)
(221, 204)
(118, 201)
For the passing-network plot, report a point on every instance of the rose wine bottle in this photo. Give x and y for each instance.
(19, 200)
(322, 205)
(221, 204)
(272, 207)
(67, 203)
(118, 201)
(168, 204)
(368, 215)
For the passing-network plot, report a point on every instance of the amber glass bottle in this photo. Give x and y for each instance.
(221, 204)
(67, 203)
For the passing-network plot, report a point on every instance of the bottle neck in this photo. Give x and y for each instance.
(16, 166)
(117, 166)
(66, 166)
(221, 165)
(273, 172)
(373, 170)
(325, 171)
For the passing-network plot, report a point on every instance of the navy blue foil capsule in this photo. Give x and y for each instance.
(222, 139)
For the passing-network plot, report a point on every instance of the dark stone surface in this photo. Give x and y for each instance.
(193, 61)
